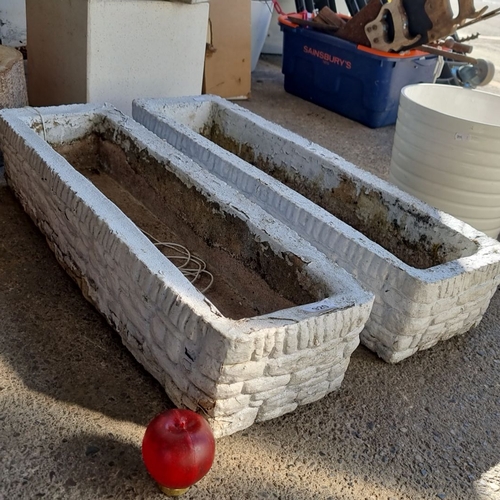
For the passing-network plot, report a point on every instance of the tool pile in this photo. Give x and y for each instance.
(401, 25)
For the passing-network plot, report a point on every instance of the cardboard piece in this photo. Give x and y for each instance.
(227, 60)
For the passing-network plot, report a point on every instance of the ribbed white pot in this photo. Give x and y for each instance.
(447, 152)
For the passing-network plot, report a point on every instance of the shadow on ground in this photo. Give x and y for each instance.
(54, 340)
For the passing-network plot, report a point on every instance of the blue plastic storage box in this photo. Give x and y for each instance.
(354, 81)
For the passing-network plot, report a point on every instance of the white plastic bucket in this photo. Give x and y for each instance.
(447, 152)
(274, 39)
(261, 19)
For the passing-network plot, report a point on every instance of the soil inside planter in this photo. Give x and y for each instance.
(363, 209)
(249, 278)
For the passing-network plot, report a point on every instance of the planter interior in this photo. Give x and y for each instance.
(408, 234)
(250, 279)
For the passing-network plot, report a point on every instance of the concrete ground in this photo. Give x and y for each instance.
(74, 403)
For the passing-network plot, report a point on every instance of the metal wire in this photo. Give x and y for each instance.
(191, 266)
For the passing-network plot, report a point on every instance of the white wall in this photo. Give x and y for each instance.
(13, 22)
(160, 54)
(114, 50)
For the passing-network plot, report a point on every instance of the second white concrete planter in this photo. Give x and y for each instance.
(433, 275)
(277, 328)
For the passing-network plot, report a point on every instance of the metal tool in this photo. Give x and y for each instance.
(482, 17)
(467, 38)
(467, 75)
(319, 4)
(441, 15)
(312, 24)
(352, 6)
(450, 43)
(389, 30)
(354, 29)
(433, 49)
(309, 5)
(418, 20)
(326, 16)
(300, 6)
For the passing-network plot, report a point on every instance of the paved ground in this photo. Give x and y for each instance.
(487, 46)
(74, 403)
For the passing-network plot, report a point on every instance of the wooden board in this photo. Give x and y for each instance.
(227, 62)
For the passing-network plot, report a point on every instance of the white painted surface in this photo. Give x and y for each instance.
(447, 152)
(274, 38)
(114, 50)
(414, 308)
(13, 22)
(145, 48)
(261, 11)
(237, 371)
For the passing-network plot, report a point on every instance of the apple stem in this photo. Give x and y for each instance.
(172, 492)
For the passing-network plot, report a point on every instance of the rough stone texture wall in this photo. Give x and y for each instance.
(235, 372)
(414, 308)
(13, 93)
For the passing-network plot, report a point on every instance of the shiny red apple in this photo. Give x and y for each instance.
(178, 449)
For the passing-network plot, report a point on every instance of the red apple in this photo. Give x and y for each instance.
(178, 449)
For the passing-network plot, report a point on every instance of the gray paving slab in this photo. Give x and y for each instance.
(74, 403)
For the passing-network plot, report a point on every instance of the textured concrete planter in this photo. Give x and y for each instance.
(433, 276)
(279, 324)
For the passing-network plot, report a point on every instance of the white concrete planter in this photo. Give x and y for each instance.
(235, 367)
(433, 275)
